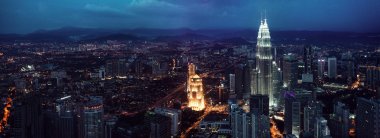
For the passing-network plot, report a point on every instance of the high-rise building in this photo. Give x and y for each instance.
(339, 121)
(66, 125)
(308, 58)
(264, 62)
(367, 119)
(160, 126)
(232, 83)
(332, 66)
(290, 73)
(372, 80)
(348, 70)
(174, 115)
(239, 80)
(247, 124)
(311, 112)
(242, 74)
(321, 67)
(277, 83)
(109, 126)
(116, 68)
(26, 119)
(93, 117)
(294, 106)
(195, 92)
(260, 103)
(321, 128)
(102, 73)
(242, 123)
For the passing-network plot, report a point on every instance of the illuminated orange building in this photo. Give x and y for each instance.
(195, 93)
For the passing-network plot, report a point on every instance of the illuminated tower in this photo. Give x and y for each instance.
(195, 90)
(264, 62)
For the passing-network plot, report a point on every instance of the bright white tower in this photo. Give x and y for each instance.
(264, 63)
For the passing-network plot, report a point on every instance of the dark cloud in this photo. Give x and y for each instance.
(333, 15)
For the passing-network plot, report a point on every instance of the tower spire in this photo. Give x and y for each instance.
(265, 16)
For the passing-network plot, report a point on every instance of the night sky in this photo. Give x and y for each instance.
(24, 16)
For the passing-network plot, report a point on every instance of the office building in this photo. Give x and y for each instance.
(260, 103)
(294, 109)
(160, 126)
(93, 111)
(247, 124)
(372, 77)
(232, 83)
(321, 128)
(264, 62)
(367, 121)
(195, 92)
(174, 115)
(311, 112)
(339, 121)
(321, 67)
(332, 67)
(290, 71)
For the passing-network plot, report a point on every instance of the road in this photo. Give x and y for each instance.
(207, 110)
(274, 132)
(160, 102)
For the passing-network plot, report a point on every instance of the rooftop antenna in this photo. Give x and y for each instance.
(265, 14)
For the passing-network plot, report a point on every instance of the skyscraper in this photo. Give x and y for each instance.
(93, 117)
(331, 72)
(321, 67)
(339, 121)
(248, 124)
(195, 89)
(308, 60)
(160, 126)
(367, 118)
(311, 112)
(321, 128)
(260, 103)
(174, 115)
(294, 109)
(290, 71)
(232, 83)
(264, 62)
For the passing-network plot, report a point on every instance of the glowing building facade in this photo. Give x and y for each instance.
(264, 63)
(195, 90)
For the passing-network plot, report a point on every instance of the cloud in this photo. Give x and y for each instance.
(105, 11)
(346, 15)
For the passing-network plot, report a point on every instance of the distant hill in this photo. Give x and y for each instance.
(234, 40)
(235, 36)
(184, 37)
(119, 37)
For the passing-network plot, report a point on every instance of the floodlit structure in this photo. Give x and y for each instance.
(264, 63)
(195, 93)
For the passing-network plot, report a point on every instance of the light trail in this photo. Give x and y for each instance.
(351, 131)
(356, 84)
(208, 110)
(7, 112)
(205, 113)
(159, 102)
(274, 132)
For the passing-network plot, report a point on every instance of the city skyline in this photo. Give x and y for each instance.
(185, 69)
(313, 15)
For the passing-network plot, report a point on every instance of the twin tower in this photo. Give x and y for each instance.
(262, 79)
